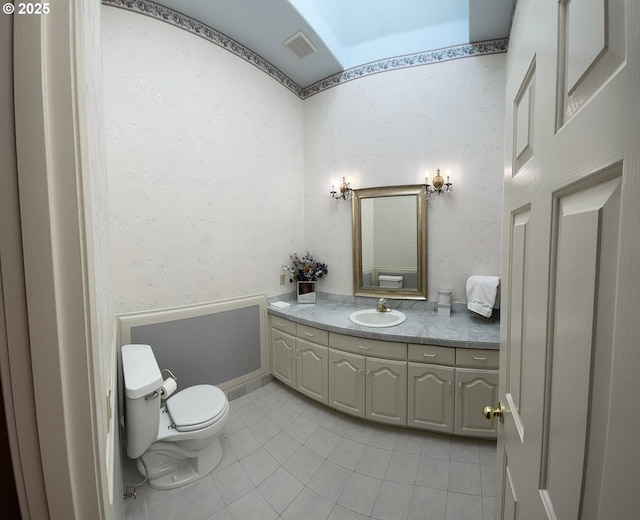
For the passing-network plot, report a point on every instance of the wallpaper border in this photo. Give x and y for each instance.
(150, 8)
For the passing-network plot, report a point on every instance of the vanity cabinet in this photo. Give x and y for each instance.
(300, 357)
(442, 389)
(371, 388)
(476, 385)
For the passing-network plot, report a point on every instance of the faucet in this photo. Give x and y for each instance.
(382, 306)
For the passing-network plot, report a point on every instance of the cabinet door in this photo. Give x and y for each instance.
(346, 382)
(386, 391)
(430, 397)
(312, 370)
(475, 388)
(282, 357)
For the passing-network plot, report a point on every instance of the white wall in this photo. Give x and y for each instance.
(205, 168)
(212, 185)
(387, 129)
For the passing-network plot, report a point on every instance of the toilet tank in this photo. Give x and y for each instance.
(390, 281)
(142, 378)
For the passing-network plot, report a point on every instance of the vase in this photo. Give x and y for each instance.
(306, 292)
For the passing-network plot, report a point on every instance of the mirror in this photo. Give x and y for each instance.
(390, 242)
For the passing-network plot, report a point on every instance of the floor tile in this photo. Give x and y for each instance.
(264, 430)
(259, 465)
(283, 416)
(465, 478)
(322, 442)
(433, 473)
(465, 450)
(304, 464)
(463, 507)
(234, 424)
(308, 506)
(338, 423)
(374, 462)
(409, 442)
(487, 452)
(240, 402)
(268, 404)
(202, 498)
(280, 489)
(252, 506)
(346, 453)
(299, 404)
(383, 437)
(250, 414)
(393, 502)
(342, 513)
(403, 467)
(488, 475)
(317, 413)
(428, 504)
(436, 445)
(330, 480)
(242, 443)
(489, 508)
(168, 508)
(359, 431)
(301, 429)
(360, 494)
(223, 514)
(233, 482)
(282, 446)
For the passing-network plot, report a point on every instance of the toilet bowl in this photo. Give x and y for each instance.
(175, 442)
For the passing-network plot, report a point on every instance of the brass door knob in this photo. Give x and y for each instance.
(490, 412)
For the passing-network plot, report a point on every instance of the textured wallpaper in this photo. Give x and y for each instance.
(217, 172)
(387, 129)
(205, 168)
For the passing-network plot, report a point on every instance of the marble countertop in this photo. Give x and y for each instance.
(461, 329)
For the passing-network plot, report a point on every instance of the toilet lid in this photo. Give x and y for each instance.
(196, 407)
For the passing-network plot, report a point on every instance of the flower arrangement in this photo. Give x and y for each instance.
(306, 269)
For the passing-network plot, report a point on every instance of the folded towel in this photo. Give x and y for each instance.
(482, 294)
(280, 305)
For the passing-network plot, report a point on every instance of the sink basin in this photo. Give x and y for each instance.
(373, 318)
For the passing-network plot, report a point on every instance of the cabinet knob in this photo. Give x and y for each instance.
(490, 412)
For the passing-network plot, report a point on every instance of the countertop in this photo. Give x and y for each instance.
(461, 329)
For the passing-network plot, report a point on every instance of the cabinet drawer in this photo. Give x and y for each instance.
(477, 358)
(368, 347)
(432, 354)
(284, 325)
(312, 334)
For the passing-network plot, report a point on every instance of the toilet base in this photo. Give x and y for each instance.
(169, 466)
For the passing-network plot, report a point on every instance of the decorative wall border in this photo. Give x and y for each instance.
(149, 8)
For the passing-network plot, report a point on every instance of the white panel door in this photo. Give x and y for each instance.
(570, 358)
(283, 349)
(430, 397)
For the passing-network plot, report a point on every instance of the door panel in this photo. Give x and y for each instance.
(585, 256)
(312, 363)
(474, 389)
(346, 382)
(430, 397)
(386, 391)
(282, 357)
(569, 360)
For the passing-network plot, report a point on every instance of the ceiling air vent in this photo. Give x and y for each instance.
(300, 45)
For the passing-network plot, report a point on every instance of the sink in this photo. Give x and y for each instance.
(373, 318)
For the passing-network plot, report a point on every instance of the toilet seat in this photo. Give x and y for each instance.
(196, 407)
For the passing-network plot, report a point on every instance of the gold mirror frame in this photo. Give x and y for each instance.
(417, 191)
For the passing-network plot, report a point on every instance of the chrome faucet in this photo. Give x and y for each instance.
(382, 306)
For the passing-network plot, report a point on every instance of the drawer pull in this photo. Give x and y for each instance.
(364, 347)
(280, 324)
(309, 334)
(360, 374)
(479, 358)
(429, 355)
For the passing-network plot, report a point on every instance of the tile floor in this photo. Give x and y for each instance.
(288, 457)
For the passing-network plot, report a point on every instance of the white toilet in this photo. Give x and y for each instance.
(175, 442)
(390, 281)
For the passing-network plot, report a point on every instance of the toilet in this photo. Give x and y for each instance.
(389, 281)
(176, 441)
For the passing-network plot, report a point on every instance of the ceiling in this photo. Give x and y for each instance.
(348, 33)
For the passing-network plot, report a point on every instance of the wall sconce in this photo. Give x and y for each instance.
(438, 186)
(345, 190)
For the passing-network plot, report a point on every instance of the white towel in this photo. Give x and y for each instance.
(482, 294)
